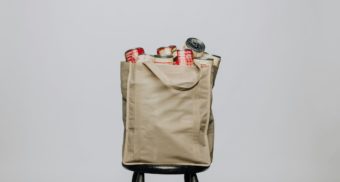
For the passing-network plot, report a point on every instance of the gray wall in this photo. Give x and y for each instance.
(276, 101)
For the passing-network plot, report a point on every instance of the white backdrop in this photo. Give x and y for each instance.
(276, 99)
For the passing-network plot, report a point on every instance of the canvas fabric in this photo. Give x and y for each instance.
(167, 113)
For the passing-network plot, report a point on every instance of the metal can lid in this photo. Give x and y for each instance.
(195, 44)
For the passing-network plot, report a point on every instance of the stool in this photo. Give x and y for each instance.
(188, 171)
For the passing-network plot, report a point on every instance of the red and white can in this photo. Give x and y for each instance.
(164, 51)
(173, 50)
(131, 55)
(184, 57)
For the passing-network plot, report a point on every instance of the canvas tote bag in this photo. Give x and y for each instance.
(167, 113)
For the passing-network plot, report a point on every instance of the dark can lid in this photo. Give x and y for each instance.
(195, 44)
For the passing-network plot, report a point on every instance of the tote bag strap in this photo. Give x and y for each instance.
(158, 72)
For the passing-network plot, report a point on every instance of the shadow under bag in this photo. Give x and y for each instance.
(167, 113)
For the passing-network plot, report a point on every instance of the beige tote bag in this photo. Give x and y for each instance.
(167, 113)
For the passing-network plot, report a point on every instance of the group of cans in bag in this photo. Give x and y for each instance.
(192, 49)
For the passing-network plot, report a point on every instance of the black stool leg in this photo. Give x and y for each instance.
(138, 177)
(190, 177)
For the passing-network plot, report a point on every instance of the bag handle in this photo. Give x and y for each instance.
(156, 71)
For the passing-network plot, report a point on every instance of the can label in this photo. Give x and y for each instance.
(184, 57)
(132, 54)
